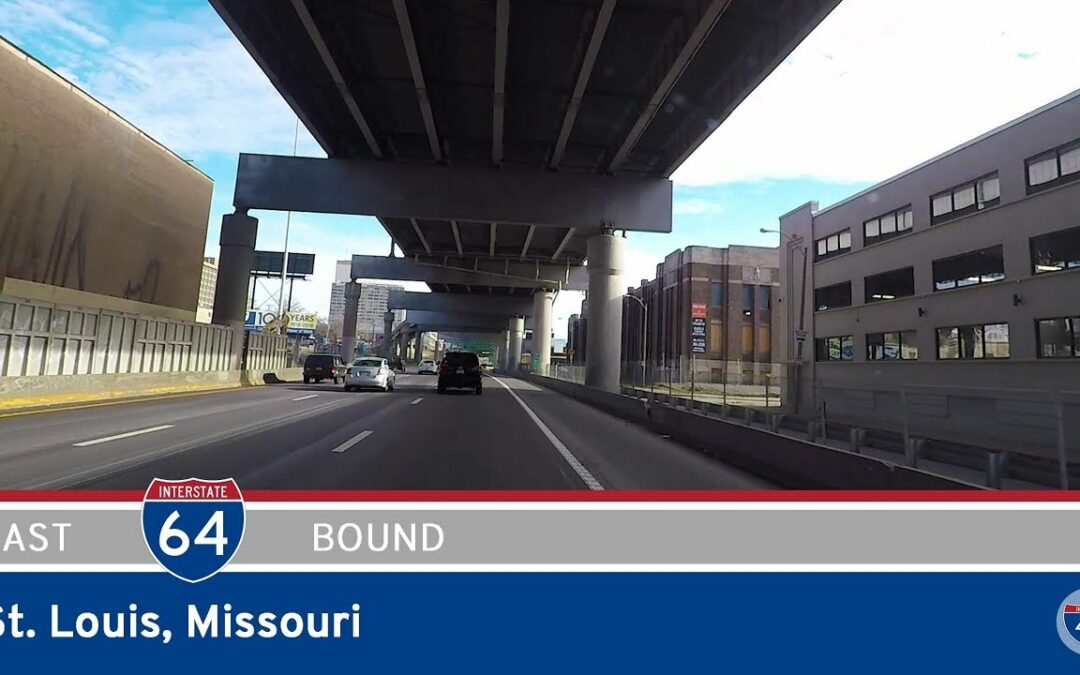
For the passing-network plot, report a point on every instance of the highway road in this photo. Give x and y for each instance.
(514, 436)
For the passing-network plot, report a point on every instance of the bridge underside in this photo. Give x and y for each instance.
(503, 133)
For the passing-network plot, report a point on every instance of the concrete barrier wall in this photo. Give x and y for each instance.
(52, 353)
(46, 339)
(790, 462)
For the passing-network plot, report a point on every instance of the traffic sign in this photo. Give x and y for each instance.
(800, 335)
(193, 527)
(699, 310)
(697, 335)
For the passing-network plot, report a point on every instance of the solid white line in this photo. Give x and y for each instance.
(915, 568)
(352, 441)
(573, 461)
(117, 437)
(416, 400)
(304, 398)
(441, 506)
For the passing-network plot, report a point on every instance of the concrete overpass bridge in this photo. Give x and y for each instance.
(500, 143)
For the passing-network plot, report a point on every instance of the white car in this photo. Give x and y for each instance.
(369, 373)
(428, 367)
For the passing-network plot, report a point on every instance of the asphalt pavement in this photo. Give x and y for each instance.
(515, 435)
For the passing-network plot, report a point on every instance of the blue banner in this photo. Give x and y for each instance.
(540, 622)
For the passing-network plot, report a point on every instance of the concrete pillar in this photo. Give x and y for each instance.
(440, 347)
(517, 336)
(418, 347)
(403, 345)
(504, 351)
(235, 260)
(541, 342)
(602, 355)
(388, 332)
(348, 326)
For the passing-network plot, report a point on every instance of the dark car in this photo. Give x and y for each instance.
(461, 370)
(319, 367)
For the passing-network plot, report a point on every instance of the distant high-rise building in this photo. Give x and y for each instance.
(207, 286)
(369, 315)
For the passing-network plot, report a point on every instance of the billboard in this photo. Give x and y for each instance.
(299, 323)
(89, 202)
(268, 263)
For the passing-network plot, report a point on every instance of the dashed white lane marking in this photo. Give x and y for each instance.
(353, 441)
(304, 398)
(575, 464)
(117, 437)
(416, 400)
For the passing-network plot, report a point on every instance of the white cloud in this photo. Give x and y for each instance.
(883, 85)
(36, 17)
(188, 82)
(696, 206)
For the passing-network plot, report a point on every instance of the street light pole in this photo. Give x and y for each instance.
(644, 335)
(285, 253)
(802, 310)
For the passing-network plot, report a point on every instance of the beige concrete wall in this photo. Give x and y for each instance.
(87, 201)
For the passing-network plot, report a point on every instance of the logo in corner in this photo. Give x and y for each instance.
(193, 527)
(1068, 621)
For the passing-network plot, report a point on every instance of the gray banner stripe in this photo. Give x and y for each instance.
(585, 537)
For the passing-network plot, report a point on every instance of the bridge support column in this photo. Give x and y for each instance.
(348, 325)
(605, 262)
(541, 342)
(504, 351)
(517, 336)
(388, 332)
(237, 257)
(403, 345)
(418, 346)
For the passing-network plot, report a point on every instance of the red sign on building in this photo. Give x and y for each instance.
(699, 310)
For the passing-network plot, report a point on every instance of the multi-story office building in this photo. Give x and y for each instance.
(207, 284)
(369, 315)
(959, 275)
(731, 288)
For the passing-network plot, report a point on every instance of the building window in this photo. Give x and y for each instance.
(985, 341)
(963, 199)
(888, 226)
(764, 350)
(829, 297)
(832, 245)
(764, 297)
(1054, 167)
(896, 346)
(748, 342)
(977, 267)
(890, 285)
(1055, 251)
(716, 337)
(1058, 338)
(717, 294)
(839, 348)
(747, 299)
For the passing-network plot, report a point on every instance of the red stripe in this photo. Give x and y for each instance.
(574, 496)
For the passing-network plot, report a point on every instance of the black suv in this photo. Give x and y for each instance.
(461, 370)
(319, 367)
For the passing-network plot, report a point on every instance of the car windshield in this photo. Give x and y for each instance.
(368, 363)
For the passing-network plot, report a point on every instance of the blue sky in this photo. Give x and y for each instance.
(880, 86)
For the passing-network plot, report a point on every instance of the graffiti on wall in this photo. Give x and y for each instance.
(89, 203)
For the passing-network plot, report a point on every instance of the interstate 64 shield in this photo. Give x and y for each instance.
(193, 527)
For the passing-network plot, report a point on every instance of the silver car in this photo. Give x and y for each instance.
(369, 373)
